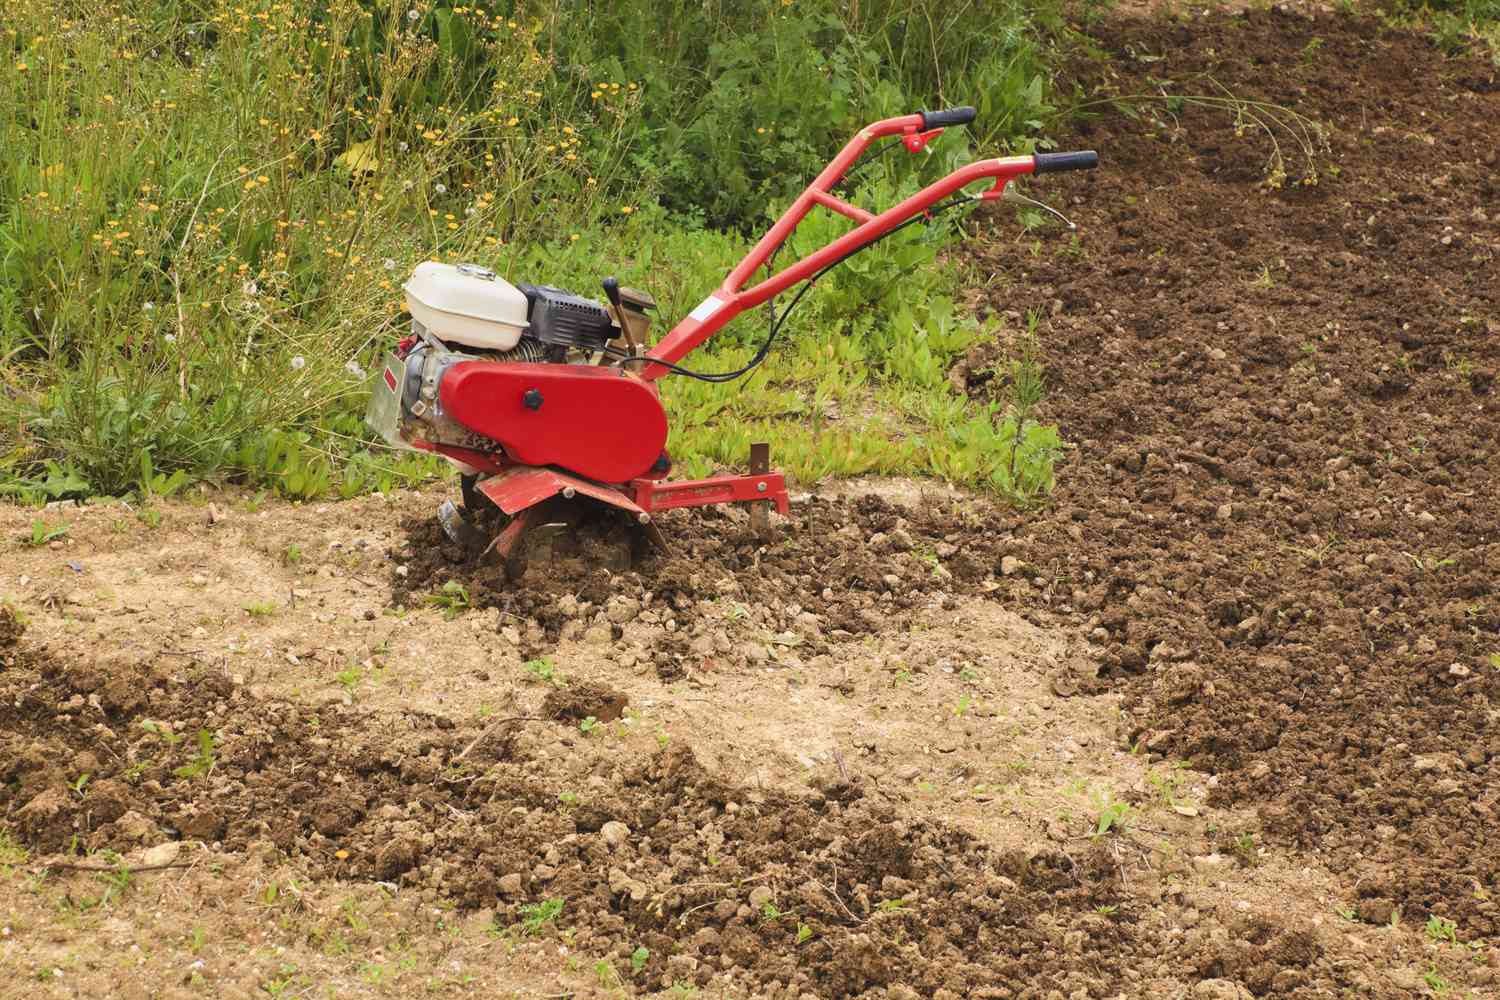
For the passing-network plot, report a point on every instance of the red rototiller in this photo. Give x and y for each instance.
(534, 392)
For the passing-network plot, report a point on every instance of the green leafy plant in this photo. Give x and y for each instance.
(203, 762)
(1441, 930)
(542, 670)
(638, 959)
(804, 933)
(161, 731)
(1113, 815)
(42, 533)
(452, 598)
(535, 916)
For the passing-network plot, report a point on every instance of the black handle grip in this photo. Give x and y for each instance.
(612, 289)
(1083, 159)
(942, 119)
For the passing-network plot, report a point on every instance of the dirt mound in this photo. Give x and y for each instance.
(1280, 521)
(833, 892)
(855, 567)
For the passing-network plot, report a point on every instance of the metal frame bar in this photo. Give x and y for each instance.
(732, 298)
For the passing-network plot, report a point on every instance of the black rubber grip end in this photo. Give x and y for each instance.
(1084, 159)
(612, 289)
(942, 119)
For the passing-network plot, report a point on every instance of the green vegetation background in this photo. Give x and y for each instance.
(207, 208)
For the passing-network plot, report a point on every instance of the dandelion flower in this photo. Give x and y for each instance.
(440, 188)
(352, 367)
(403, 146)
(298, 362)
(389, 264)
(412, 14)
(148, 306)
(170, 338)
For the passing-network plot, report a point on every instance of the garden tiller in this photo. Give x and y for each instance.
(534, 392)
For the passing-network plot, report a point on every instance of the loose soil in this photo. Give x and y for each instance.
(1280, 522)
(1215, 723)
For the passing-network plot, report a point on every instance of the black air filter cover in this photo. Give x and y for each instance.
(562, 319)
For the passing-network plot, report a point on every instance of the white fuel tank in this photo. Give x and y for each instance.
(467, 304)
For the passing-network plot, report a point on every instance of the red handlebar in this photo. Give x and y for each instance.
(730, 300)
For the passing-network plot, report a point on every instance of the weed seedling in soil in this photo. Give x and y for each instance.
(260, 609)
(350, 677)
(1244, 850)
(293, 554)
(1435, 982)
(588, 725)
(1113, 815)
(42, 533)
(1441, 930)
(535, 916)
(203, 763)
(638, 959)
(804, 933)
(543, 671)
(453, 599)
(161, 732)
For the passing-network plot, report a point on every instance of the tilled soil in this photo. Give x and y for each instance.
(1280, 520)
(833, 569)
(838, 892)
(834, 892)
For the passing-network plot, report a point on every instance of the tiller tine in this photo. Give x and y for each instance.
(523, 493)
(457, 527)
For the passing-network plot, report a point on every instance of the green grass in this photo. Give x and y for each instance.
(206, 212)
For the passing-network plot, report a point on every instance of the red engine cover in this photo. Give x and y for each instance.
(593, 421)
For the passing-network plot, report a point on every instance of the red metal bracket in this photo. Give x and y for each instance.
(915, 142)
(651, 495)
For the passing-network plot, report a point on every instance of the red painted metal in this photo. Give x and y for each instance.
(478, 460)
(526, 486)
(599, 422)
(653, 496)
(732, 298)
(505, 544)
(915, 142)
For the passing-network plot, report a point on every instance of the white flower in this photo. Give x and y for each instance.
(412, 14)
(403, 147)
(170, 338)
(148, 306)
(298, 362)
(389, 264)
(440, 188)
(471, 210)
(250, 288)
(353, 368)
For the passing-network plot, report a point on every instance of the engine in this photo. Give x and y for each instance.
(468, 313)
(561, 322)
